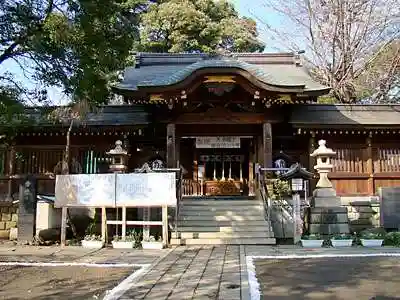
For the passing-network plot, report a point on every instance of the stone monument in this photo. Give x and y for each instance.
(327, 216)
(27, 209)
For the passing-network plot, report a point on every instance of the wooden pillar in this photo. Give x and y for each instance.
(311, 148)
(267, 141)
(370, 166)
(171, 144)
(11, 171)
(311, 160)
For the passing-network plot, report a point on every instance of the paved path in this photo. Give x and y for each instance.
(192, 272)
(197, 272)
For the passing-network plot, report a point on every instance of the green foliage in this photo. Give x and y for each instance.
(373, 233)
(78, 45)
(278, 189)
(392, 239)
(197, 26)
(342, 236)
(311, 237)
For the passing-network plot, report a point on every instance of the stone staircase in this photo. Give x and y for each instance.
(222, 220)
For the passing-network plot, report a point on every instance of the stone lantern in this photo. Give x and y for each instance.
(323, 166)
(119, 158)
(327, 215)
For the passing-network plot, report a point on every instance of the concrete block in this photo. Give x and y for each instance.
(6, 217)
(4, 234)
(13, 234)
(2, 225)
(11, 224)
(327, 229)
(329, 218)
(324, 192)
(14, 218)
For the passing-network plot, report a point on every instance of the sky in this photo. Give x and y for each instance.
(249, 8)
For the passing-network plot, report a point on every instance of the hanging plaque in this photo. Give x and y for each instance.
(210, 142)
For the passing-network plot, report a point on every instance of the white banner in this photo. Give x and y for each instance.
(218, 142)
(93, 190)
(146, 189)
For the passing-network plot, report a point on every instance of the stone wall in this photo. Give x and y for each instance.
(8, 218)
(363, 212)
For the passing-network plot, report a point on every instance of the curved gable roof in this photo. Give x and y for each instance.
(164, 70)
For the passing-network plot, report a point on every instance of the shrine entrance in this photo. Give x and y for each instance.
(218, 166)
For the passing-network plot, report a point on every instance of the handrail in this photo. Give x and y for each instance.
(262, 186)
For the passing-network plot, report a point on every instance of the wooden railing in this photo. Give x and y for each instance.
(190, 187)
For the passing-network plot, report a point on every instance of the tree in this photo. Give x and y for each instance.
(342, 38)
(77, 45)
(197, 26)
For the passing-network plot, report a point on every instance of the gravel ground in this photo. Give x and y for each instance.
(59, 282)
(330, 278)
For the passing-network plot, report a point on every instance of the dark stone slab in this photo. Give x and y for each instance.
(329, 229)
(27, 209)
(390, 207)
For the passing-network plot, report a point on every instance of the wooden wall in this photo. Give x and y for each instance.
(363, 164)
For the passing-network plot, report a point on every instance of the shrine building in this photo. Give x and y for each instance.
(217, 117)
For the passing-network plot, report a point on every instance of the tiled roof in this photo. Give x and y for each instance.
(364, 115)
(278, 70)
(109, 115)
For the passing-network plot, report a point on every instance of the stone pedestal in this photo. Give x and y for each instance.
(327, 216)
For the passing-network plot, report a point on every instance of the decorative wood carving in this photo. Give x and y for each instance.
(220, 115)
(267, 139)
(171, 158)
(223, 188)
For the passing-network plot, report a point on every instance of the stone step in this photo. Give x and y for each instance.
(219, 198)
(224, 203)
(221, 218)
(201, 223)
(222, 235)
(219, 241)
(219, 209)
(207, 228)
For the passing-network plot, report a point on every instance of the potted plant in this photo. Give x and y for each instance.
(152, 243)
(342, 240)
(92, 241)
(129, 242)
(372, 239)
(311, 241)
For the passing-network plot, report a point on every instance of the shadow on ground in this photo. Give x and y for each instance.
(374, 278)
(59, 282)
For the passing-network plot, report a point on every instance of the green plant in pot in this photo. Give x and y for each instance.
(131, 240)
(92, 239)
(342, 240)
(312, 241)
(152, 243)
(371, 238)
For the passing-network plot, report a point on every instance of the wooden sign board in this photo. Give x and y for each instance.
(390, 207)
(218, 142)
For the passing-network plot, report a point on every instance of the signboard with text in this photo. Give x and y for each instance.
(210, 142)
(146, 189)
(89, 190)
(116, 190)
